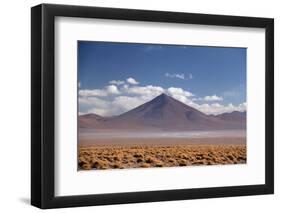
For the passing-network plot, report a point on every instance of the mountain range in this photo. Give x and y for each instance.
(164, 113)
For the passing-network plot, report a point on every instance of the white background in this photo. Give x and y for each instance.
(70, 182)
(15, 106)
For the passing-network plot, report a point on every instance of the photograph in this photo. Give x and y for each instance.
(160, 105)
(135, 105)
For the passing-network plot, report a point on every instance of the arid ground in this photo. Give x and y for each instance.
(145, 153)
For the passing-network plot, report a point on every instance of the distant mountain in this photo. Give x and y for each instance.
(235, 115)
(89, 120)
(162, 113)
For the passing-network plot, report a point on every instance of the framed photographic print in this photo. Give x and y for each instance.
(139, 106)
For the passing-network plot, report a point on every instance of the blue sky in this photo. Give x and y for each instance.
(203, 71)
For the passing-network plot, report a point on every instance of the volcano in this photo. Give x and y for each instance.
(163, 113)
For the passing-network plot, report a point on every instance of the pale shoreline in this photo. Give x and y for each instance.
(161, 141)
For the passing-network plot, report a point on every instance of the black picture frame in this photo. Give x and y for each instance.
(43, 102)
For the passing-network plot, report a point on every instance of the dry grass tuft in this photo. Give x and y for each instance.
(120, 157)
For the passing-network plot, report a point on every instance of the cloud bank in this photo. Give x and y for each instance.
(121, 96)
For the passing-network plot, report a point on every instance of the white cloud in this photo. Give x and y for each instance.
(116, 82)
(178, 91)
(125, 86)
(112, 89)
(94, 92)
(132, 81)
(93, 101)
(217, 108)
(99, 111)
(108, 90)
(181, 76)
(212, 98)
(97, 105)
(126, 103)
(175, 75)
(145, 90)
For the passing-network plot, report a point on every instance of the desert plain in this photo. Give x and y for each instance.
(122, 153)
